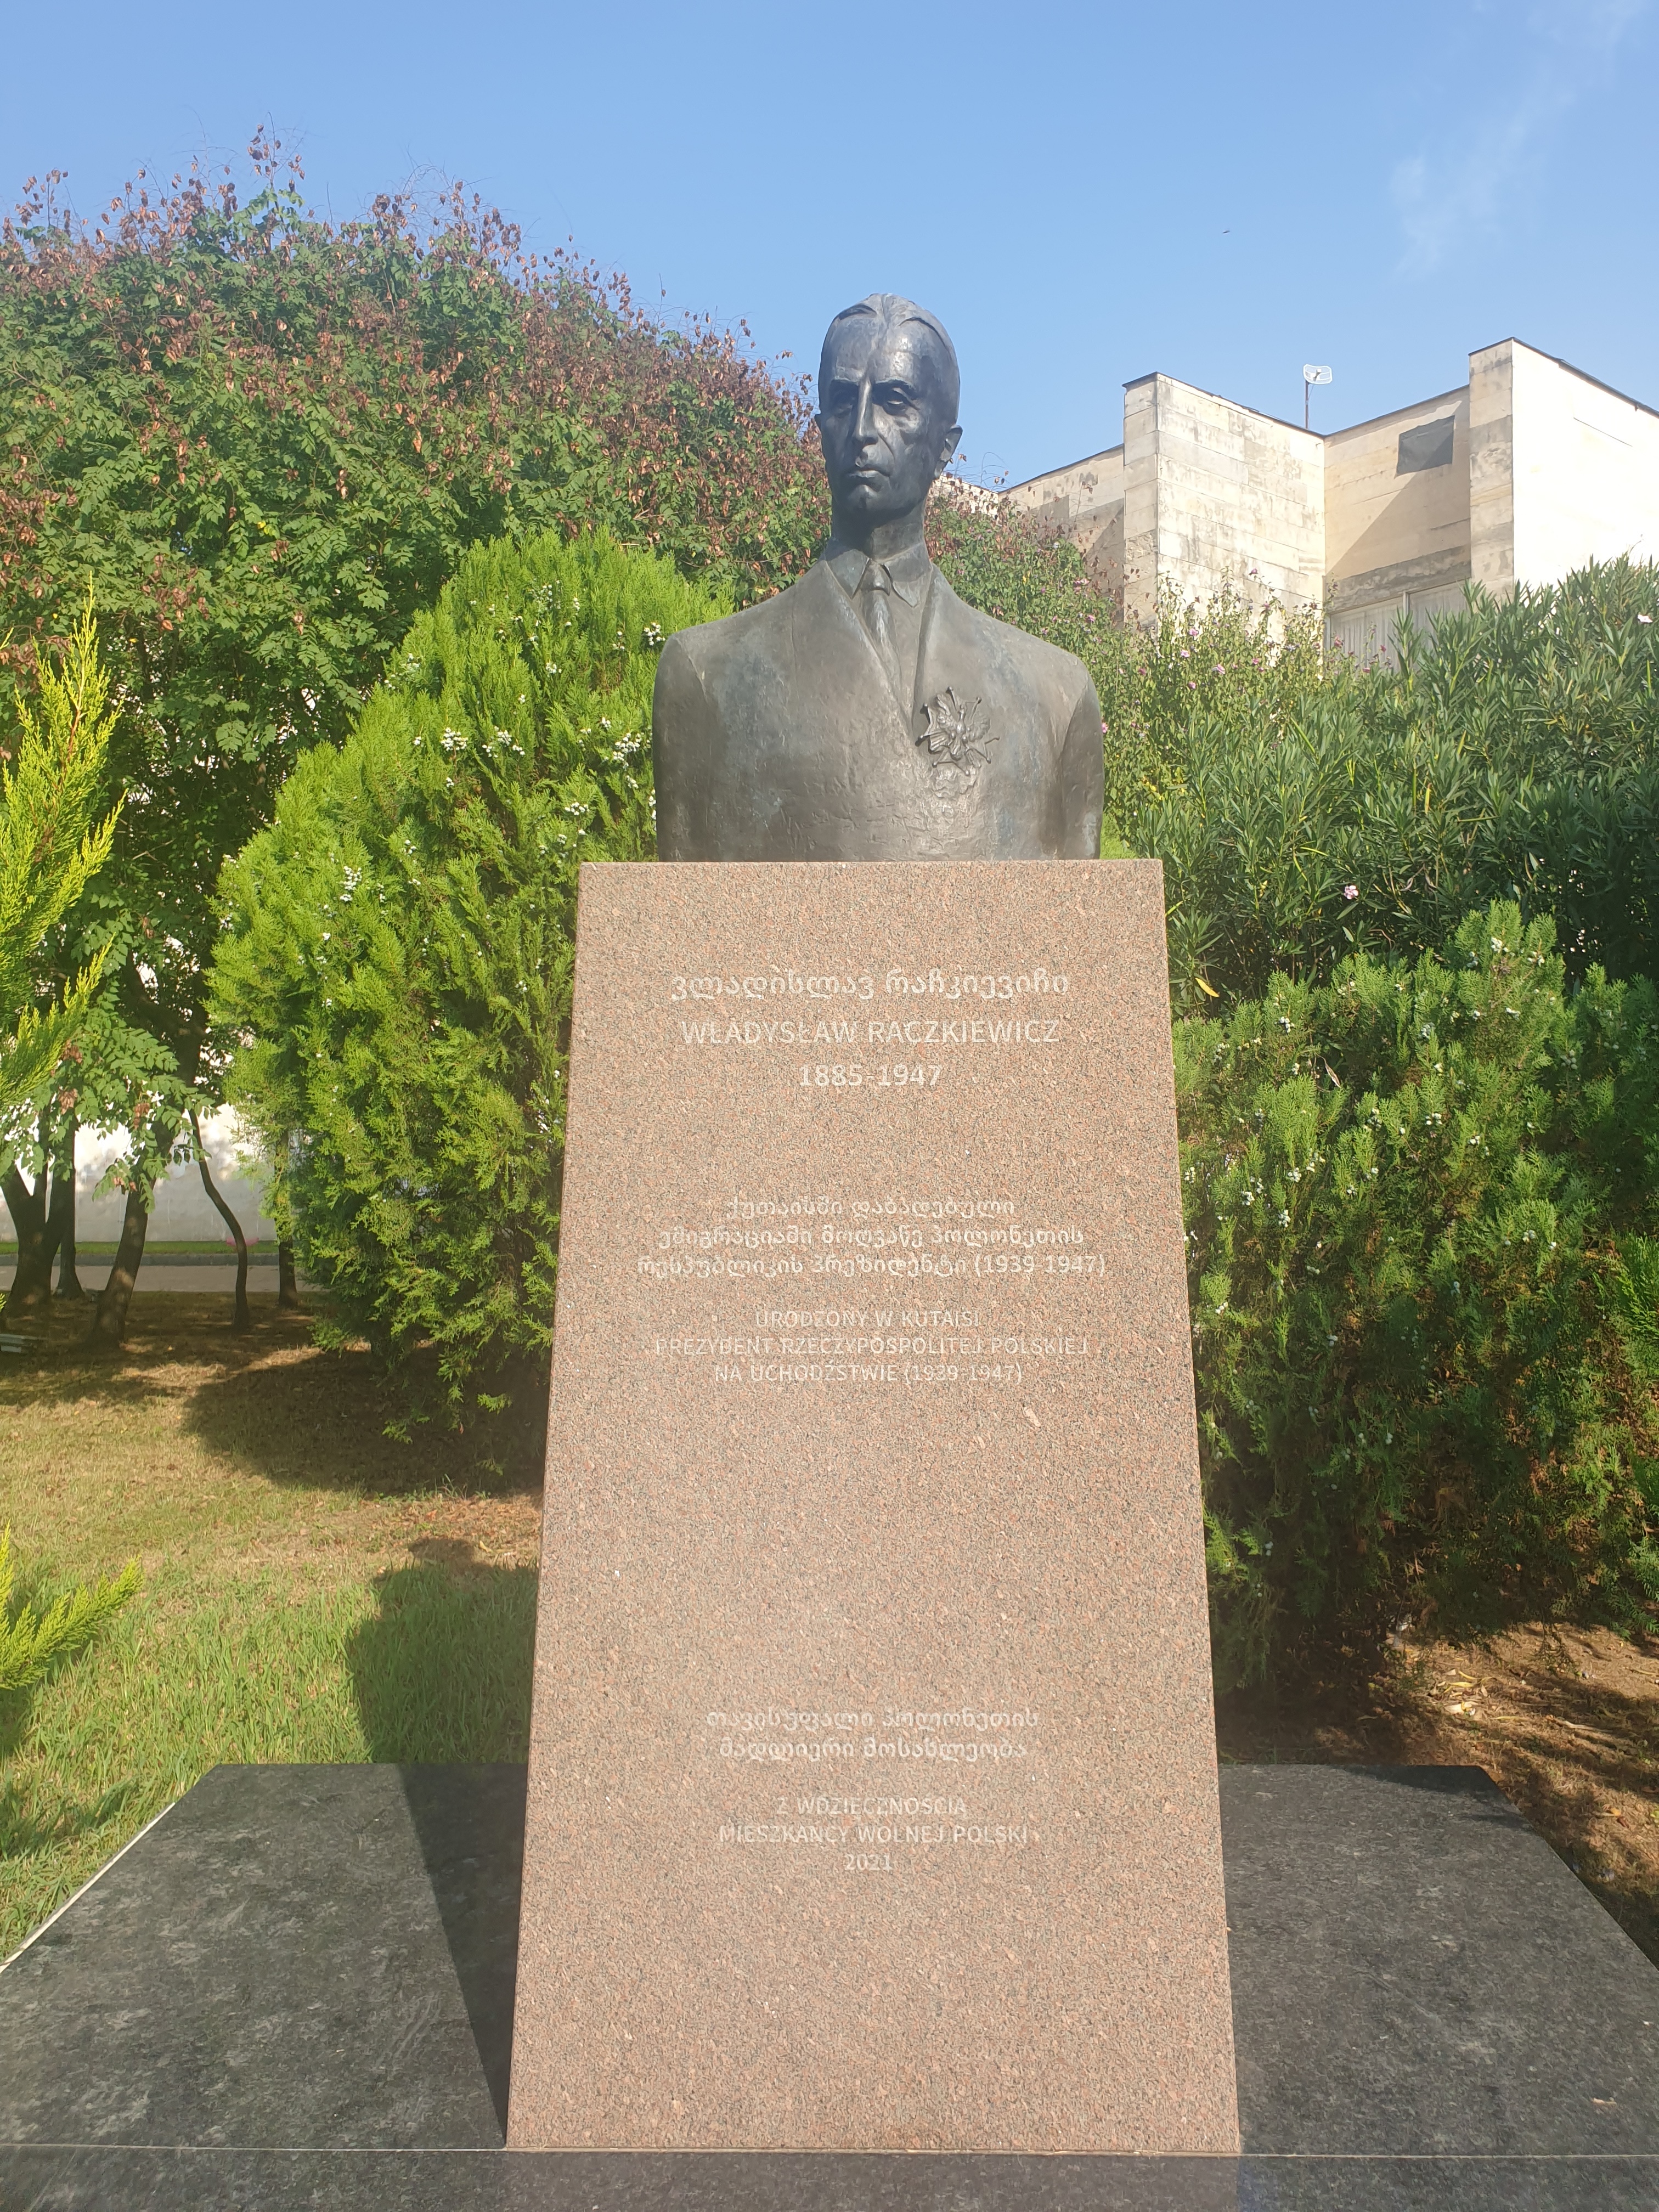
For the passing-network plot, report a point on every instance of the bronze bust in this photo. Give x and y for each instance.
(866, 712)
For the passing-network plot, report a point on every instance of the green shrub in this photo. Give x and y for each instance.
(1328, 810)
(1219, 661)
(1426, 1319)
(398, 951)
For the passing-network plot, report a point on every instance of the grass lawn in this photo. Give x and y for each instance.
(315, 1591)
(312, 1589)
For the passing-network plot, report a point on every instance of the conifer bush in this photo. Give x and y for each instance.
(1425, 1300)
(397, 954)
(33, 1643)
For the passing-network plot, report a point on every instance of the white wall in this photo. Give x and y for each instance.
(1586, 470)
(182, 1212)
(1215, 495)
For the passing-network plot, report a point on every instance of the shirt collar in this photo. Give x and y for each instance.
(909, 570)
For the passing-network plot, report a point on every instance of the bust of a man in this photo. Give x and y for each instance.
(867, 713)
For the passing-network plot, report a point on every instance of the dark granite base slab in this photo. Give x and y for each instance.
(38, 2179)
(296, 1990)
(1415, 1972)
(312, 1955)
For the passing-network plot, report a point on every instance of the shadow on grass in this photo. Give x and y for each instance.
(441, 1673)
(24, 1835)
(319, 1418)
(441, 1670)
(274, 1404)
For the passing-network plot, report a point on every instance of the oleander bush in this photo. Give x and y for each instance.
(397, 947)
(1419, 1200)
(1218, 662)
(1514, 753)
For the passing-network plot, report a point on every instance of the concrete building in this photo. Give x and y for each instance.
(1526, 471)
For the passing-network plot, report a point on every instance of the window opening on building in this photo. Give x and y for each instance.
(1426, 445)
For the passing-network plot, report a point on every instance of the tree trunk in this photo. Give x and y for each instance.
(109, 1323)
(62, 1206)
(37, 1237)
(287, 1280)
(244, 1318)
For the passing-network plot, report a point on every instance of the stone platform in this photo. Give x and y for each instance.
(296, 1990)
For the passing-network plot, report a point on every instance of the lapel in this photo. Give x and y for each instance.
(950, 658)
(832, 651)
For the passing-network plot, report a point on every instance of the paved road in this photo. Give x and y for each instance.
(175, 1275)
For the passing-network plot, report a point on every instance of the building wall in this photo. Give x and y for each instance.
(1085, 502)
(1397, 531)
(1539, 470)
(1217, 495)
(1390, 524)
(1585, 470)
(183, 1213)
(1491, 467)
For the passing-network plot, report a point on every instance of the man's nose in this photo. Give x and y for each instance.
(865, 432)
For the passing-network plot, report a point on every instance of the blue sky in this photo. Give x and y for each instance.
(1082, 193)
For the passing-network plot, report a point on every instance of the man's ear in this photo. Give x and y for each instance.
(946, 452)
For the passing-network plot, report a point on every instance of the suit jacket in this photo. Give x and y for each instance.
(779, 737)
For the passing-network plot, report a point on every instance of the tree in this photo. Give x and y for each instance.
(398, 955)
(51, 849)
(268, 439)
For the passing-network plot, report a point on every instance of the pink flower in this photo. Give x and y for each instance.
(1351, 890)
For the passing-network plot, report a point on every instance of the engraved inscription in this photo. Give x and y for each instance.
(790, 1007)
(878, 1830)
(975, 1283)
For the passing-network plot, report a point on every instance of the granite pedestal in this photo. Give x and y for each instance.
(873, 1754)
(296, 1990)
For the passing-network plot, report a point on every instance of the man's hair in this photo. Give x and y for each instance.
(890, 308)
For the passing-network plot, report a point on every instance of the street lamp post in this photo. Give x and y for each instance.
(1310, 376)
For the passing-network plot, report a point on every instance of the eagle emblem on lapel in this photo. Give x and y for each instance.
(957, 741)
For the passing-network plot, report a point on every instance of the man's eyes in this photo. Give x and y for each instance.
(891, 399)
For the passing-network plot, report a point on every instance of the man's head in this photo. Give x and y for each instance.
(888, 389)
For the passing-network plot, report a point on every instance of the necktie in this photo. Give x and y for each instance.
(875, 607)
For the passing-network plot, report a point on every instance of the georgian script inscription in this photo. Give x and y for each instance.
(873, 1785)
(867, 1279)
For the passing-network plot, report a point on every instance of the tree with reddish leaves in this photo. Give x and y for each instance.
(264, 440)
